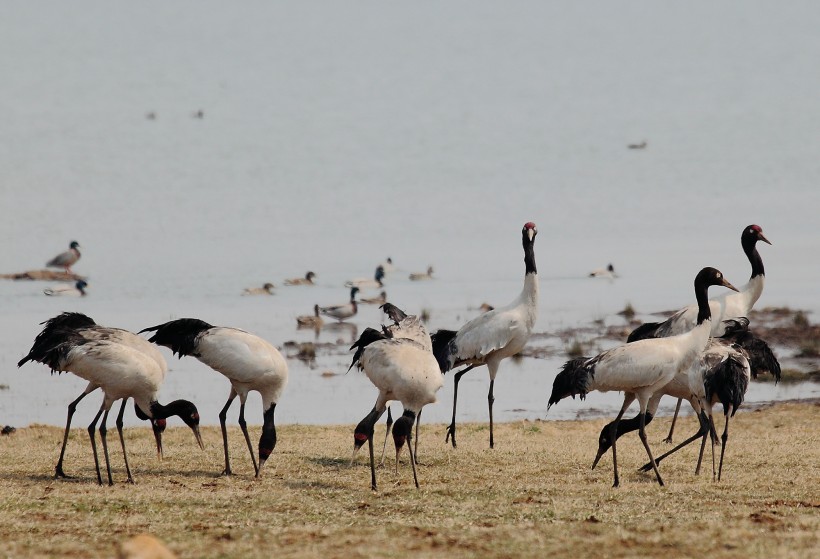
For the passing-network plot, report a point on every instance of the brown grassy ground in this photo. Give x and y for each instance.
(533, 496)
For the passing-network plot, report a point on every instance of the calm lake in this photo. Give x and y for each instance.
(333, 135)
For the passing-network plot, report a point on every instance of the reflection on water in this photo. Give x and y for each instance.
(347, 329)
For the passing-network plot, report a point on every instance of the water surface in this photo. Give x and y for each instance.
(335, 135)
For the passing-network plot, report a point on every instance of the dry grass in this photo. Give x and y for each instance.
(534, 495)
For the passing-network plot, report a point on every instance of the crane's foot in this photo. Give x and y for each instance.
(60, 474)
(451, 434)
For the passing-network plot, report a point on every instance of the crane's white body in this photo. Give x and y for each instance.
(125, 338)
(121, 371)
(645, 367)
(726, 306)
(248, 361)
(688, 384)
(403, 368)
(495, 335)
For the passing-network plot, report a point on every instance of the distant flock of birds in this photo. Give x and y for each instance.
(704, 354)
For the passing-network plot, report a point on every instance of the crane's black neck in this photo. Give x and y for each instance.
(626, 426)
(702, 297)
(177, 407)
(267, 442)
(749, 243)
(529, 255)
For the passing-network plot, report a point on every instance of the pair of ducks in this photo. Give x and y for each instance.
(339, 312)
(267, 289)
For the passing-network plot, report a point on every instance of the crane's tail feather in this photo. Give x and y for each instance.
(644, 332)
(441, 348)
(727, 381)
(392, 311)
(762, 359)
(179, 335)
(369, 336)
(56, 331)
(574, 378)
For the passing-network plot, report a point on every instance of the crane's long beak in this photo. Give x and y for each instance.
(158, 437)
(729, 285)
(353, 456)
(763, 238)
(597, 458)
(261, 463)
(198, 436)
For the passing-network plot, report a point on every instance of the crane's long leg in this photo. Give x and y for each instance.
(104, 439)
(122, 440)
(244, 426)
(451, 429)
(386, 434)
(613, 436)
(366, 428)
(416, 450)
(413, 458)
(490, 401)
(703, 442)
(223, 416)
(91, 429)
(372, 463)
(703, 430)
(72, 407)
(724, 438)
(642, 435)
(668, 438)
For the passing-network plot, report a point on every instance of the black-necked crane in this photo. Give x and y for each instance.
(120, 370)
(66, 259)
(87, 328)
(640, 369)
(495, 335)
(248, 361)
(727, 306)
(722, 359)
(399, 361)
(307, 280)
(343, 312)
